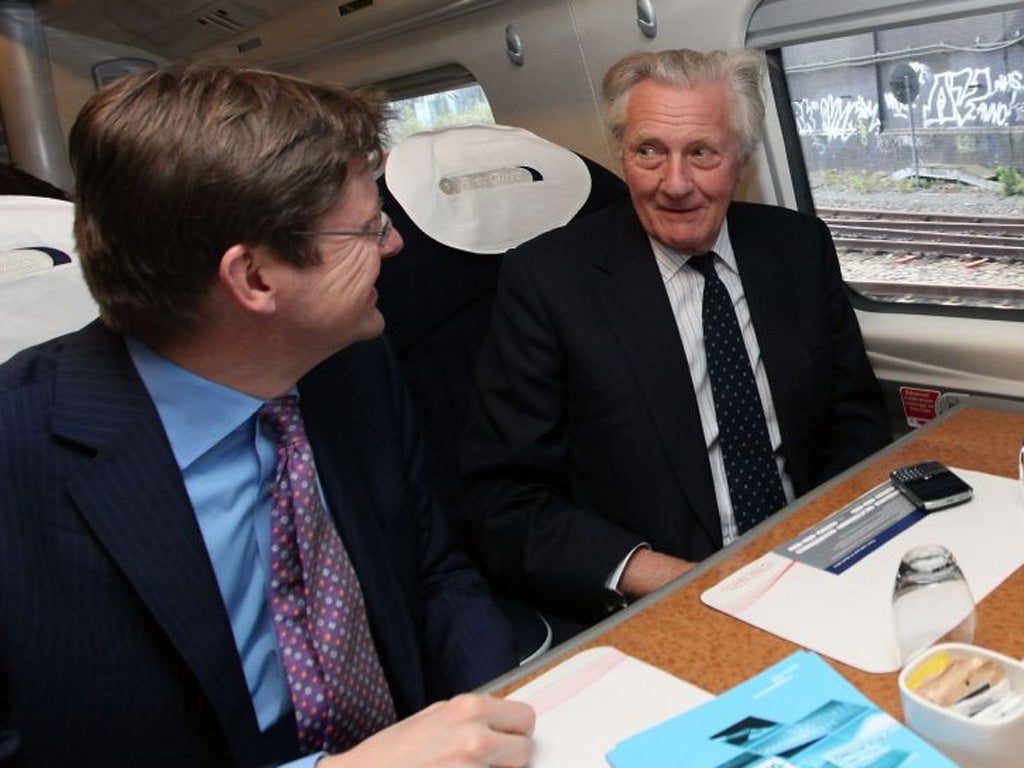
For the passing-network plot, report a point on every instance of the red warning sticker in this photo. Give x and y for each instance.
(918, 405)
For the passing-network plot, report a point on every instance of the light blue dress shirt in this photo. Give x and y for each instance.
(227, 461)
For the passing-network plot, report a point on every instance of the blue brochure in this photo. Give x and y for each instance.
(800, 713)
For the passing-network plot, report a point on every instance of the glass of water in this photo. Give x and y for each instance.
(1020, 468)
(931, 601)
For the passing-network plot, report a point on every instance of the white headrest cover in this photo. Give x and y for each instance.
(38, 305)
(486, 188)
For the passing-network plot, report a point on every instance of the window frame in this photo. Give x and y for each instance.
(800, 178)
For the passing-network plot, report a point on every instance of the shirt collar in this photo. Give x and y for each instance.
(671, 261)
(196, 413)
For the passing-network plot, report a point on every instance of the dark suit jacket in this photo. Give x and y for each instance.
(584, 437)
(115, 645)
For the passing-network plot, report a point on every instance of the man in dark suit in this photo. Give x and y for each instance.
(215, 543)
(606, 449)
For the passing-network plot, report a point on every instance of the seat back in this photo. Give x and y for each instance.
(461, 197)
(42, 291)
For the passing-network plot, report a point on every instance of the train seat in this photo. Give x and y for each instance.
(461, 197)
(42, 291)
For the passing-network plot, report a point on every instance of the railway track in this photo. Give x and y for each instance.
(935, 234)
(941, 218)
(936, 258)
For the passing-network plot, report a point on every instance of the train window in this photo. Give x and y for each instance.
(453, 106)
(912, 138)
(434, 98)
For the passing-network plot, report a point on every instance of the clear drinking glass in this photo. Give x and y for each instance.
(931, 601)
(1020, 468)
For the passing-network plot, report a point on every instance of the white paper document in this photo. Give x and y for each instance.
(848, 615)
(592, 701)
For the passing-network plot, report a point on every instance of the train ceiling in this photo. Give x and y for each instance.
(175, 30)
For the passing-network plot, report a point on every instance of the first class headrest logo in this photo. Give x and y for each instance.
(496, 177)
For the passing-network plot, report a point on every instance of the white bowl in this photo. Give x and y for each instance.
(968, 742)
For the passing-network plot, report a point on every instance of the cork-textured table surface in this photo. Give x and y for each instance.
(714, 651)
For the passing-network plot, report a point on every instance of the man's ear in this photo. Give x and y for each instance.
(241, 274)
(748, 166)
(746, 180)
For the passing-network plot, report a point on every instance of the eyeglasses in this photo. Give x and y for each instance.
(381, 234)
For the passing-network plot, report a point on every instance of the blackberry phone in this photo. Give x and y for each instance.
(931, 485)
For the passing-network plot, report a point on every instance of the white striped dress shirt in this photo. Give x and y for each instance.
(685, 288)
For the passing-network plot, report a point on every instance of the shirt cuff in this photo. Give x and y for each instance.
(612, 582)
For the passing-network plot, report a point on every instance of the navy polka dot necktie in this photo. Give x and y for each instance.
(336, 680)
(755, 487)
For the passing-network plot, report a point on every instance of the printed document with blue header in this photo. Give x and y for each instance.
(799, 713)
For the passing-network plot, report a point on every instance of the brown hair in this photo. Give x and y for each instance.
(174, 167)
(740, 71)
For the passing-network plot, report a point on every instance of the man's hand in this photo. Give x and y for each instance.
(469, 731)
(648, 571)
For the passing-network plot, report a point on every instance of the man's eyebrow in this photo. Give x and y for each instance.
(644, 138)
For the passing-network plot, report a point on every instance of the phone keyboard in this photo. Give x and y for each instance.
(918, 471)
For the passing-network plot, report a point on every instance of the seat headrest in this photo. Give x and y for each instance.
(42, 291)
(34, 223)
(19, 262)
(486, 188)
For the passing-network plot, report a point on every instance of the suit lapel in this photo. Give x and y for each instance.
(769, 289)
(774, 303)
(633, 295)
(330, 431)
(134, 499)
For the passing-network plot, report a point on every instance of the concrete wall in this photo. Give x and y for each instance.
(969, 111)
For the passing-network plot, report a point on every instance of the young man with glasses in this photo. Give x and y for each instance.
(216, 547)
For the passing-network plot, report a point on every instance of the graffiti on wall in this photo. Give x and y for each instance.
(971, 96)
(962, 98)
(836, 117)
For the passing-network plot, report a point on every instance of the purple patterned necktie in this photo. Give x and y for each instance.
(335, 677)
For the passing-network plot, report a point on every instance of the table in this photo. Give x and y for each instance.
(673, 630)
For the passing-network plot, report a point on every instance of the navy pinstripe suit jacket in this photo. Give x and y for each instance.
(115, 645)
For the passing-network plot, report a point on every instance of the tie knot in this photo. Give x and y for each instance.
(704, 263)
(282, 416)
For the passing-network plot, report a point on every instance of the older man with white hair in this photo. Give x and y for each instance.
(664, 375)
